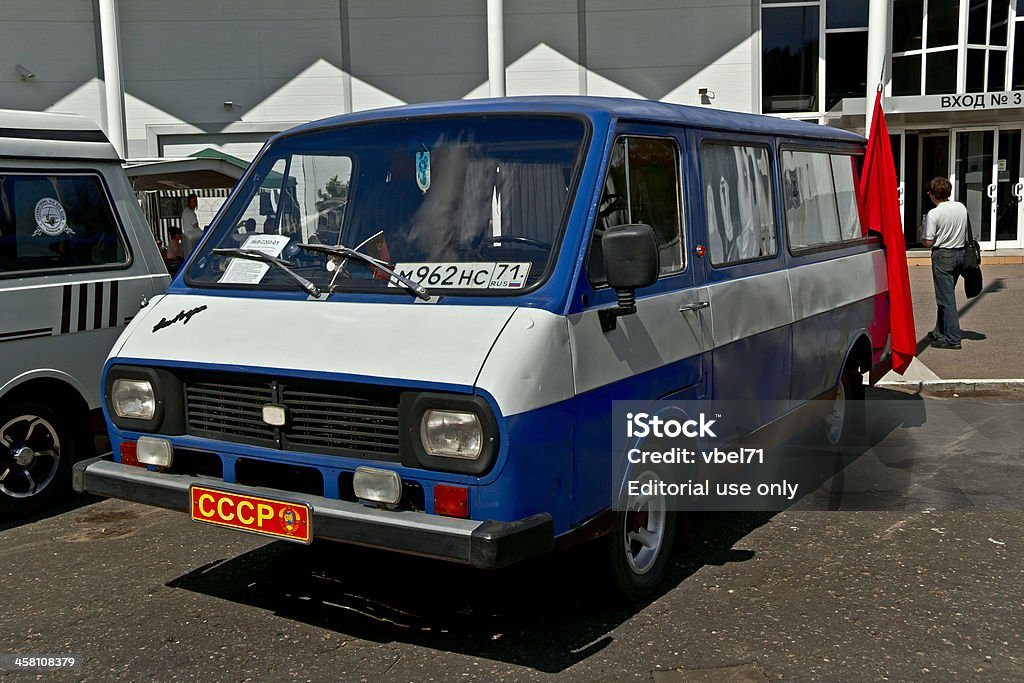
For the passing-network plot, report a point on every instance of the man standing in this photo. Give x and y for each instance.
(945, 231)
(191, 233)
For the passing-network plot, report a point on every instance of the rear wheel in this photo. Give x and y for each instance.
(37, 450)
(640, 545)
(844, 423)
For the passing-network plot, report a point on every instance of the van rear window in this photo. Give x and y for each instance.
(821, 203)
(56, 222)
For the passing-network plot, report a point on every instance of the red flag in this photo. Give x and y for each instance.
(880, 211)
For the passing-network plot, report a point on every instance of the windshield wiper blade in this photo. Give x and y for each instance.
(253, 255)
(367, 260)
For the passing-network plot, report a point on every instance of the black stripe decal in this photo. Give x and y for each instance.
(112, 318)
(38, 332)
(63, 135)
(83, 303)
(65, 311)
(97, 312)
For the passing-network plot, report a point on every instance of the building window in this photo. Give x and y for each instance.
(793, 35)
(949, 46)
(789, 58)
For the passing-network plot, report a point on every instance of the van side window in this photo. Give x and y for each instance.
(53, 222)
(844, 174)
(738, 203)
(821, 206)
(642, 186)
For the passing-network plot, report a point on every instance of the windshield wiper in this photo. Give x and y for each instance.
(367, 260)
(253, 255)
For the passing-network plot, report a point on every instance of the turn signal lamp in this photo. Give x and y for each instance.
(451, 501)
(130, 454)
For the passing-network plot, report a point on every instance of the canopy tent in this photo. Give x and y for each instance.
(204, 170)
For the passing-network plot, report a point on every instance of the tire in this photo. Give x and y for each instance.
(844, 423)
(38, 446)
(639, 547)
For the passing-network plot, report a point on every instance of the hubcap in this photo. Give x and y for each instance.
(29, 455)
(837, 417)
(23, 456)
(644, 529)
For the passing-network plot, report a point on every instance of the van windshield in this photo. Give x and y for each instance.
(475, 204)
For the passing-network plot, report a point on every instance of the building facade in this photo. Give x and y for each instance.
(170, 79)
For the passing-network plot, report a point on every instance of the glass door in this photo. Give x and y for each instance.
(1009, 190)
(896, 143)
(974, 167)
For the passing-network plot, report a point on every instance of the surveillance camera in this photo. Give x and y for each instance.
(24, 73)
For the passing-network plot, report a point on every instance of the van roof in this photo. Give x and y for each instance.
(617, 107)
(29, 134)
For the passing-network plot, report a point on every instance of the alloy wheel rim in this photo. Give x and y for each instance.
(29, 456)
(644, 527)
(834, 423)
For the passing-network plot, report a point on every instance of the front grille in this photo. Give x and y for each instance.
(320, 420)
(231, 411)
(332, 418)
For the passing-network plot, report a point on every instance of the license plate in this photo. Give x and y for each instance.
(276, 518)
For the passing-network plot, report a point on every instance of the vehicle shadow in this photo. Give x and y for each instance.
(547, 613)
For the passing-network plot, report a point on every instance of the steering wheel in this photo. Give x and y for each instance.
(528, 241)
(611, 203)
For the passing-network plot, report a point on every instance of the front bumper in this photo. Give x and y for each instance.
(487, 544)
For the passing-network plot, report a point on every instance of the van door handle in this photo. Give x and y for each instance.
(694, 306)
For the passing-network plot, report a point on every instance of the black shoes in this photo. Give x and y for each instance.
(934, 336)
(941, 344)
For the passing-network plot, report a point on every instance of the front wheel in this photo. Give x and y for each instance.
(639, 546)
(37, 450)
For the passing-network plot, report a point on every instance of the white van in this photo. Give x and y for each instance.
(77, 260)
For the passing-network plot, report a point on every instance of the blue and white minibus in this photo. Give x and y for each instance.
(406, 327)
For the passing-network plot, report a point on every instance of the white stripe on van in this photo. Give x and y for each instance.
(739, 308)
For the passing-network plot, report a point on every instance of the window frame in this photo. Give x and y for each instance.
(119, 227)
(773, 188)
(680, 203)
(825, 246)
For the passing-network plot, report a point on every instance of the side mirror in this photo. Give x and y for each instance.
(630, 262)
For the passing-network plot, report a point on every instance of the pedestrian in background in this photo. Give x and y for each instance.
(191, 233)
(945, 231)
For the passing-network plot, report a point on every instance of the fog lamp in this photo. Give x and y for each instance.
(379, 486)
(153, 451)
(451, 433)
(133, 399)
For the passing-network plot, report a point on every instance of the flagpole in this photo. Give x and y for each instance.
(878, 40)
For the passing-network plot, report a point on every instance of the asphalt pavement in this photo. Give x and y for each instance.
(932, 589)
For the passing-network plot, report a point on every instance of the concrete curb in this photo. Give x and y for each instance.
(959, 386)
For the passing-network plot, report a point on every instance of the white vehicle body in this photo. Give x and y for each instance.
(59, 314)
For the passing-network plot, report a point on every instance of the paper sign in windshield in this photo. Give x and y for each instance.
(244, 272)
(499, 275)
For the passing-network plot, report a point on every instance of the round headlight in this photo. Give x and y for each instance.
(133, 399)
(452, 434)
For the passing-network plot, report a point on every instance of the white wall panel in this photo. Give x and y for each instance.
(416, 51)
(541, 47)
(275, 61)
(54, 39)
(667, 49)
